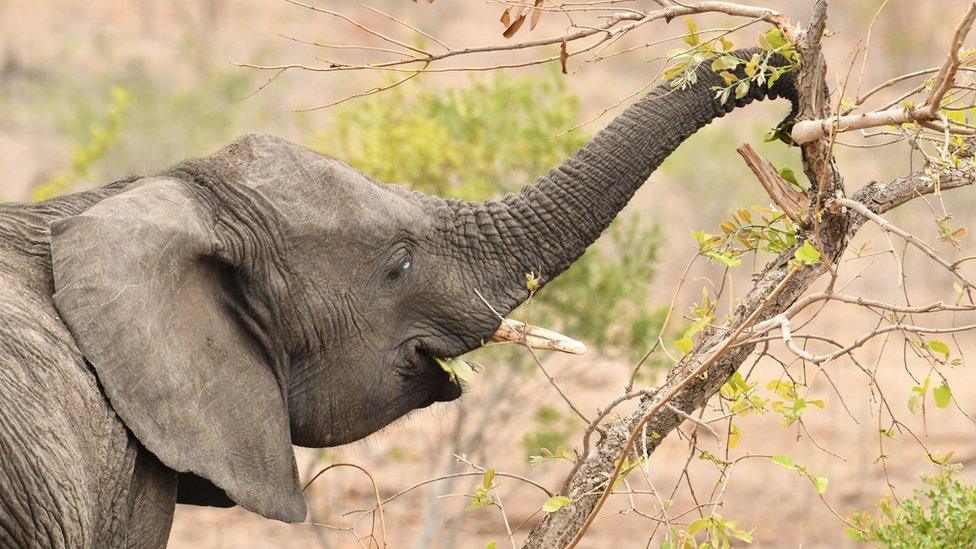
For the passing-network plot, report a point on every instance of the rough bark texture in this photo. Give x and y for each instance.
(832, 235)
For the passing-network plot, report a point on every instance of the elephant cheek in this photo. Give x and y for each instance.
(339, 415)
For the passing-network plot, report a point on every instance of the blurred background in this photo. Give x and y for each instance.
(91, 92)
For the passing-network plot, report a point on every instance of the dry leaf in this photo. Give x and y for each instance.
(515, 26)
(513, 17)
(536, 14)
(563, 55)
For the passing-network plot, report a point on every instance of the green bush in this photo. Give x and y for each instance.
(552, 430)
(942, 515)
(100, 137)
(128, 120)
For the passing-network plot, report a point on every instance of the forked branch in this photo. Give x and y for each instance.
(928, 113)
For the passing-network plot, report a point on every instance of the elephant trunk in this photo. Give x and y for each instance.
(547, 226)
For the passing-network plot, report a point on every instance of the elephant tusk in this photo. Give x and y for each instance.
(534, 337)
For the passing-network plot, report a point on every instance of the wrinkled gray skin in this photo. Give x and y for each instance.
(168, 338)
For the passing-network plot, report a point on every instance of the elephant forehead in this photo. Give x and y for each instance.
(350, 217)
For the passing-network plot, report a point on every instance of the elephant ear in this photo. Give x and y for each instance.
(152, 307)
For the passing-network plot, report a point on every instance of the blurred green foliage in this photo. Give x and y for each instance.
(488, 138)
(943, 514)
(128, 120)
(100, 137)
(552, 430)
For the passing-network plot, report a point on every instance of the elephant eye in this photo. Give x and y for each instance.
(402, 267)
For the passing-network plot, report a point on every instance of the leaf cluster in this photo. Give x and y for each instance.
(943, 514)
(738, 75)
(718, 532)
(764, 229)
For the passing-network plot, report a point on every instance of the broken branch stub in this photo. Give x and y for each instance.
(793, 202)
(534, 337)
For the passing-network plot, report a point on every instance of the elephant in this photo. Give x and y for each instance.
(167, 338)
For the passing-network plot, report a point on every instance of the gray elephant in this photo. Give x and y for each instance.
(167, 339)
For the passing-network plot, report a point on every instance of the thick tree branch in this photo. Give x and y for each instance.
(557, 529)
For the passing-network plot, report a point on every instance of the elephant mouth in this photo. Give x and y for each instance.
(425, 371)
(427, 360)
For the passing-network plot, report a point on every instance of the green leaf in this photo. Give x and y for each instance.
(699, 524)
(456, 368)
(807, 254)
(942, 394)
(790, 177)
(480, 498)
(742, 89)
(922, 389)
(820, 483)
(914, 404)
(763, 43)
(937, 346)
(702, 238)
(675, 70)
(684, 344)
(855, 534)
(734, 436)
(726, 63)
(725, 259)
(488, 479)
(556, 503)
(784, 461)
(491, 544)
(692, 38)
(774, 38)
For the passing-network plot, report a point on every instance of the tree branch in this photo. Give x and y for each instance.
(693, 381)
(806, 131)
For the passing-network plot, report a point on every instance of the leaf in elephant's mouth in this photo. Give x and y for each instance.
(457, 368)
(513, 331)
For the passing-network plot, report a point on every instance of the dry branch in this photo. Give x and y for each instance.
(809, 130)
(556, 529)
(413, 60)
(782, 193)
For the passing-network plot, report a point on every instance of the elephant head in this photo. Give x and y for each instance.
(269, 295)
